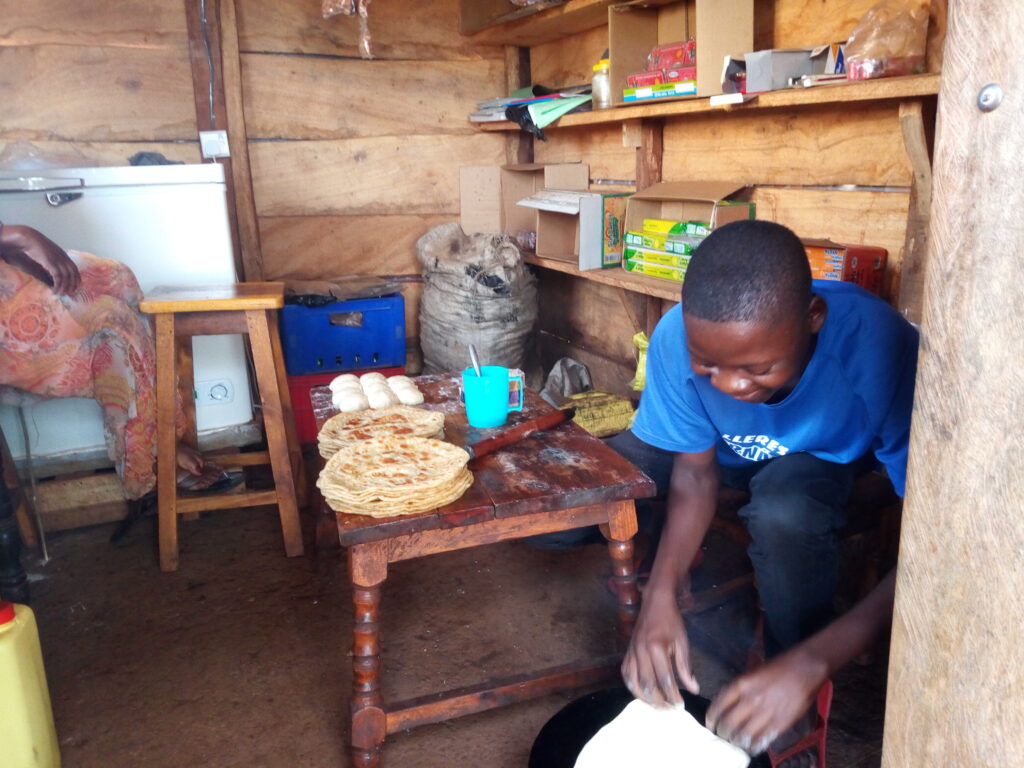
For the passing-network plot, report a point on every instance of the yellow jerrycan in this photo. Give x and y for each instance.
(27, 735)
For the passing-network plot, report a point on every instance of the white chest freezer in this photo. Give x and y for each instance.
(169, 224)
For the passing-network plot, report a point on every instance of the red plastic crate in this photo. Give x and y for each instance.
(299, 387)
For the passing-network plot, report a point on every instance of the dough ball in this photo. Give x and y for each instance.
(409, 395)
(381, 398)
(399, 380)
(350, 401)
(372, 376)
(348, 386)
(375, 386)
(337, 381)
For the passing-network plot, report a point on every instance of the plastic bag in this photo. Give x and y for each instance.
(889, 40)
(329, 8)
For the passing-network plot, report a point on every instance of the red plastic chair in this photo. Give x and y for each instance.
(816, 737)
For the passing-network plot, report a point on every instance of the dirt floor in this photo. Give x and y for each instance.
(241, 657)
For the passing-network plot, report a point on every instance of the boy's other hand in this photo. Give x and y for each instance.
(760, 706)
(658, 659)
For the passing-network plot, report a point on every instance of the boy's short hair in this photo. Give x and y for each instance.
(748, 271)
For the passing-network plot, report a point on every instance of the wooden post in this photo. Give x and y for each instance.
(518, 144)
(912, 266)
(241, 174)
(649, 153)
(208, 87)
(956, 674)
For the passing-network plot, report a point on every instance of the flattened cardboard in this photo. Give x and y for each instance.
(488, 193)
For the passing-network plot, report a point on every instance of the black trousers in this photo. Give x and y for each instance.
(796, 510)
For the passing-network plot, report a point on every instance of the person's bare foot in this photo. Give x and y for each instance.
(195, 473)
(190, 460)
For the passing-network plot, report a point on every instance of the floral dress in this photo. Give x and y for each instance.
(92, 344)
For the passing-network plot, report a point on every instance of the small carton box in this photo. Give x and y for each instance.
(652, 256)
(488, 193)
(661, 91)
(702, 205)
(717, 28)
(682, 245)
(654, 270)
(677, 229)
(584, 228)
(863, 265)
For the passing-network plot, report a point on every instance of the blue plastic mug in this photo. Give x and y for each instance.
(488, 396)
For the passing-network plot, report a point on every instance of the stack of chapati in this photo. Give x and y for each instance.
(397, 421)
(392, 475)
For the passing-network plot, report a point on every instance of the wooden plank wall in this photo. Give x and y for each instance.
(353, 160)
(818, 170)
(94, 83)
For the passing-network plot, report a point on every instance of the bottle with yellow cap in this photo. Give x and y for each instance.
(601, 85)
(27, 736)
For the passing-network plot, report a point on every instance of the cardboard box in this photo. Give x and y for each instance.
(687, 201)
(771, 70)
(719, 28)
(863, 265)
(584, 228)
(677, 244)
(488, 193)
(652, 256)
(654, 270)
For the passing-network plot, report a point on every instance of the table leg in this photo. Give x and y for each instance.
(620, 532)
(367, 570)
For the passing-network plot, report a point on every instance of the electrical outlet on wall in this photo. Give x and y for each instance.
(215, 392)
(214, 144)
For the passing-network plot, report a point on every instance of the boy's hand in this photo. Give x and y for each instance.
(37, 255)
(658, 659)
(757, 707)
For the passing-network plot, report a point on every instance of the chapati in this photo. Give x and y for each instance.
(389, 475)
(398, 420)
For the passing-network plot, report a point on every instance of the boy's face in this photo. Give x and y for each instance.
(753, 362)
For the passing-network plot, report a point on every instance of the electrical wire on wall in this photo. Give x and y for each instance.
(205, 25)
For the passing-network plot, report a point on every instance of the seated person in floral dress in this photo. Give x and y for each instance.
(70, 327)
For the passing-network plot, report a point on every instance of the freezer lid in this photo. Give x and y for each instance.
(115, 176)
(32, 183)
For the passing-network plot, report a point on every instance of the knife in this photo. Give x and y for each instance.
(519, 432)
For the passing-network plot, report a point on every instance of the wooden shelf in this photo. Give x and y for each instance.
(552, 23)
(616, 276)
(912, 86)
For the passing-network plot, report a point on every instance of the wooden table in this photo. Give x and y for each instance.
(552, 481)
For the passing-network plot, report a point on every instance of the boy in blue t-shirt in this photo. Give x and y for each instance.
(789, 388)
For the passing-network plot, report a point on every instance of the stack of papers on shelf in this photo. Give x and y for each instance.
(537, 98)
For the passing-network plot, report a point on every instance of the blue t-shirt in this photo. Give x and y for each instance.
(855, 394)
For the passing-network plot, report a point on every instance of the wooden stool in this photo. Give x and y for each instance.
(246, 308)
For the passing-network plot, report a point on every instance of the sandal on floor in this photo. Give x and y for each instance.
(815, 738)
(214, 480)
